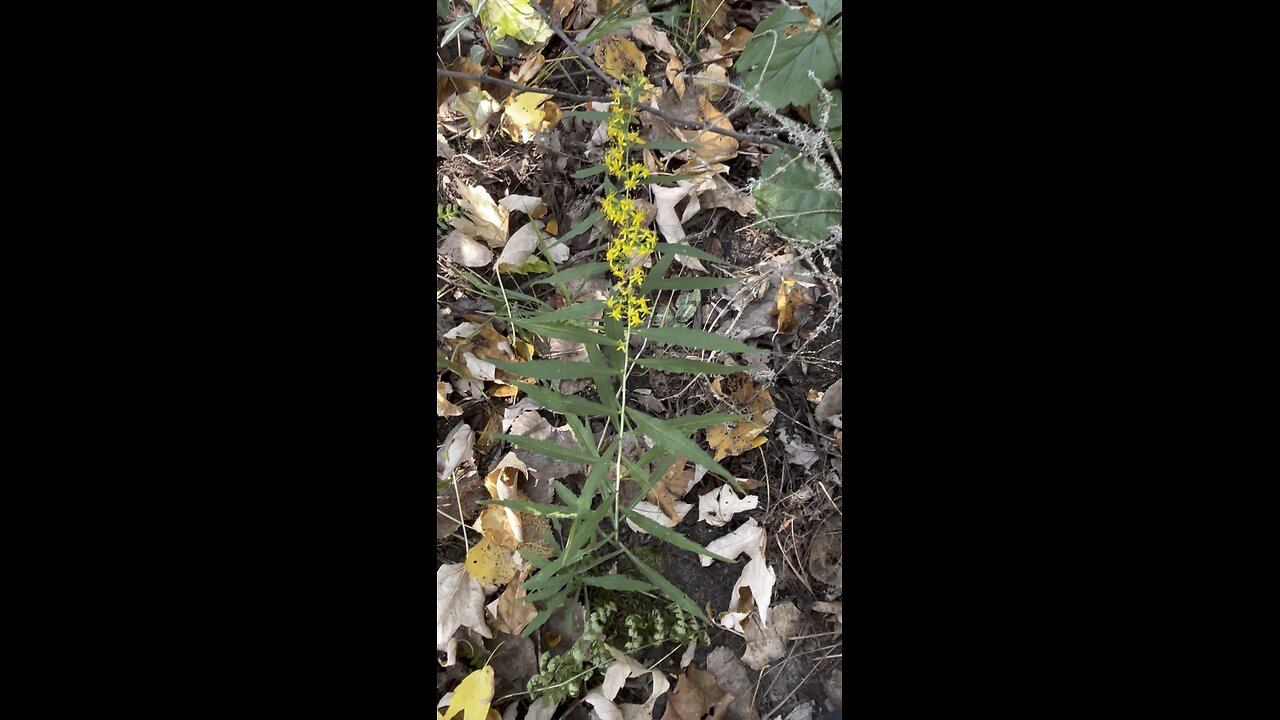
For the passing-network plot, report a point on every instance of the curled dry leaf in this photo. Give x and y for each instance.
(457, 449)
(459, 603)
(472, 696)
(832, 402)
(512, 614)
(655, 513)
(477, 106)
(444, 408)
(764, 645)
(747, 539)
(696, 697)
(673, 485)
(644, 31)
(718, 507)
(790, 296)
(759, 577)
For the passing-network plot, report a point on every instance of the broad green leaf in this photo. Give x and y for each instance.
(512, 18)
(669, 535)
(792, 200)
(700, 339)
(549, 449)
(834, 119)
(617, 582)
(588, 172)
(671, 591)
(552, 606)
(825, 9)
(757, 48)
(534, 508)
(592, 115)
(547, 369)
(561, 403)
(583, 226)
(677, 443)
(573, 273)
(785, 79)
(683, 365)
(836, 34)
(691, 283)
(683, 249)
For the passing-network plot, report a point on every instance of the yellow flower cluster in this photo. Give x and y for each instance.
(632, 242)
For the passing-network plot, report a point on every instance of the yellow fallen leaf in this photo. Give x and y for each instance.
(472, 696)
(735, 438)
(790, 295)
(619, 57)
(488, 563)
(553, 227)
(524, 118)
(738, 437)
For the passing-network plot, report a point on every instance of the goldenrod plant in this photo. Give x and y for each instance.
(592, 544)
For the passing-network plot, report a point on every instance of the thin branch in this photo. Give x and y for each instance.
(555, 27)
(763, 139)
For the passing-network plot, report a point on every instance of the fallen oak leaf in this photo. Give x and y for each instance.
(697, 696)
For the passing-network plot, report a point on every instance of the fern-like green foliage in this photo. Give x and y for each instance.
(445, 213)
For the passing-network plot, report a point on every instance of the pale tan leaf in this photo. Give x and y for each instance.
(444, 408)
(747, 540)
(718, 507)
(459, 603)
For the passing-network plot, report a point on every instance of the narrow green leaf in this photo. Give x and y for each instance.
(444, 362)
(656, 273)
(552, 606)
(547, 578)
(604, 379)
(678, 443)
(684, 365)
(599, 471)
(669, 535)
(561, 331)
(684, 249)
(700, 339)
(580, 431)
(671, 591)
(588, 172)
(583, 226)
(560, 403)
(616, 582)
(535, 508)
(573, 273)
(565, 494)
(547, 369)
(535, 559)
(689, 423)
(549, 449)
(546, 592)
(589, 114)
(575, 311)
(580, 569)
(692, 283)
(456, 28)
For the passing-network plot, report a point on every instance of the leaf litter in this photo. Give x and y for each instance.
(515, 236)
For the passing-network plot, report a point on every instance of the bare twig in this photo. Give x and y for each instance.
(682, 122)
(555, 27)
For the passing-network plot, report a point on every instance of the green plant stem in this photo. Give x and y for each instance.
(622, 426)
